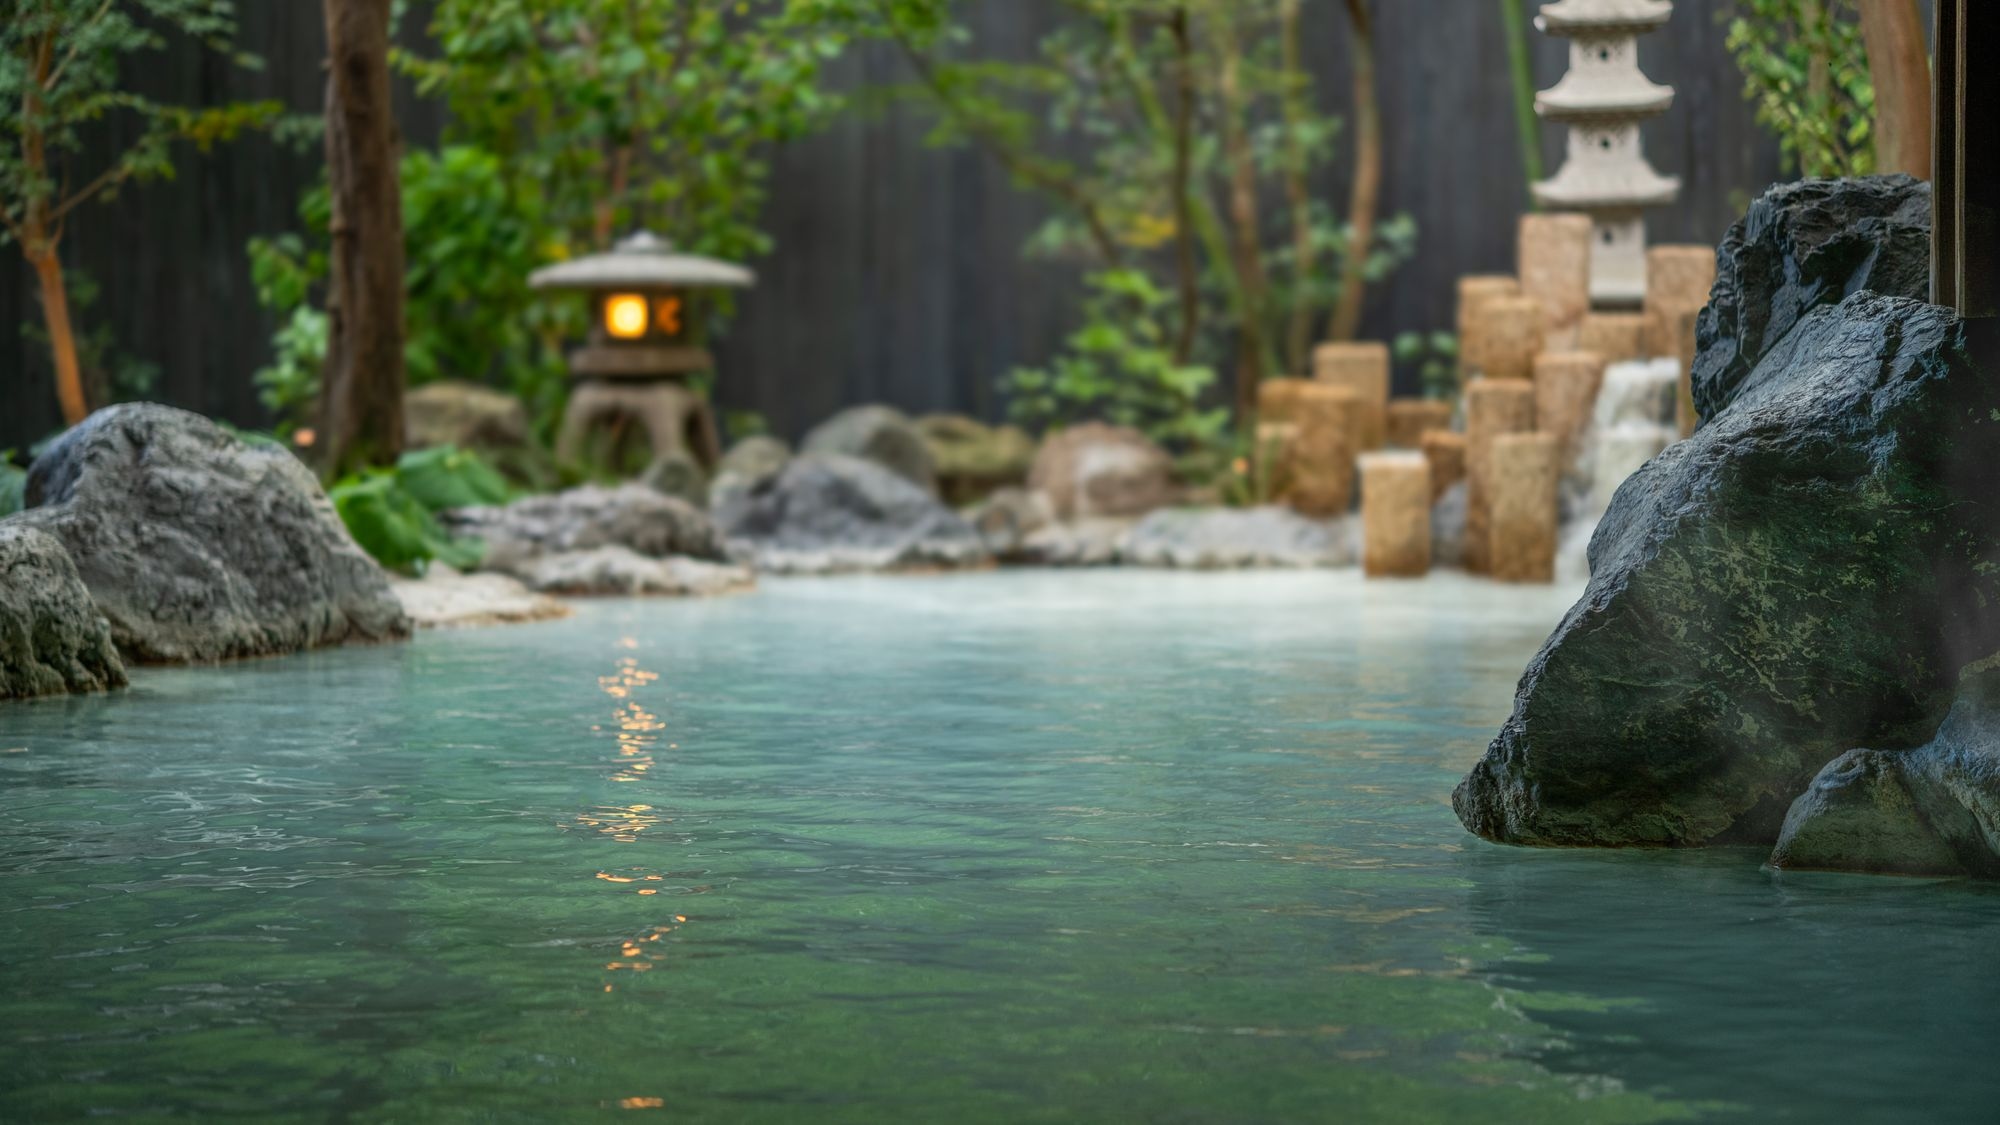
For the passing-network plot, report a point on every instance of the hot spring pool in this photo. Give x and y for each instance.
(999, 847)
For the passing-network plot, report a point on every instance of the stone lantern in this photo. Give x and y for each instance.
(645, 344)
(1603, 99)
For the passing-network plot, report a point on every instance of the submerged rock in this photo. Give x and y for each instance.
(1095, 471)
(553, 543)
(1800, 247)
(881, 434)
(1934, 810)
(52, 639)
(197, 545)
(826, 513)
(1239, 539)
(1807, 574)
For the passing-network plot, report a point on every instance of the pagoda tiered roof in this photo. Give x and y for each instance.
(1617, 93)
(1605, 185)
(1593, 17)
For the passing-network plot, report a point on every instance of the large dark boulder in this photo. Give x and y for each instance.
(825, 513)
(197, 545)
(1934, 810)
(52, 639)
(1802, 246)
(1809, 573)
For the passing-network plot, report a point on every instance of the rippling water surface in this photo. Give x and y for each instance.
(1002, 847)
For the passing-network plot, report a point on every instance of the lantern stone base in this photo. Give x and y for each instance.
(676, 419)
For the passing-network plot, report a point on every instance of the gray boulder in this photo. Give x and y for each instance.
(826, 513)
(755, 458)
(1239, 539)
(197, 545)
(975, 460)
(466, 415)
(881, 434)
(1934, 810)
(52, 639)
(1094, 541)
(553, 543)
(1007, 518)
(1808, 573)
(1800, 247)
(678, 475)
(1096, 471)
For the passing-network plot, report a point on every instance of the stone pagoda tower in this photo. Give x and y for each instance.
(1603, 99)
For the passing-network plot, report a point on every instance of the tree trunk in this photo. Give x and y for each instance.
(1188, 268)
(62, 337)
(1900, 67)
(361, 403)
(1367, 188)
(1298, 196)
(1254, 354)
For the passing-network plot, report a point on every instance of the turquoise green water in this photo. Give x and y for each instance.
(1003, 847)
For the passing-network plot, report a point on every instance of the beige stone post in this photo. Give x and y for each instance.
(1271, 459)
(1410, 418)
(1553, 253)
(1395, 514)
(1278, 399)
(1319, 466)
(1445, 451)
(1524, 474)
(1566, 386)
(1363, 368)
(1509, 331)
(1474, 292)
(1678, 279)
(1493, 407)
(1617, 337)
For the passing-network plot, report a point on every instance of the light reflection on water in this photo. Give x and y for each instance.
(992, 847)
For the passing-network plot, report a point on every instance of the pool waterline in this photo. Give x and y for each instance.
(1008, 846)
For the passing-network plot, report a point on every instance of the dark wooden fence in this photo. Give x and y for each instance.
(898, 274)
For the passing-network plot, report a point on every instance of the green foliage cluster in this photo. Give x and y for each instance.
(1119, 366)
(619, 114)
(1805, 68)
(1435, 357)
(60, 64)
(392, 513)
(471, 237)
(572, 123)
(1177, 140)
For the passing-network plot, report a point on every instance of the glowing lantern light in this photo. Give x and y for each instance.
(625, 316)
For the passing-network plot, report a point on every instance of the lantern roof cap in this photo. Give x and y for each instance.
(1572, 17)
(1600, 93)
(643, 260)
(1607, 185)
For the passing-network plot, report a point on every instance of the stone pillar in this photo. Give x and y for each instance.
(1618, 337)
(1553, 253)
(1524, 472)
(1319, 464)
(1678, 279)
(1410, 418)
(1395, 515)
(1474, 292)
(1566, 386)
(1508, 331)
(1270, 459)
(1278, 399)
(1493, 407)
(1445, 451)
(1364, 369)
